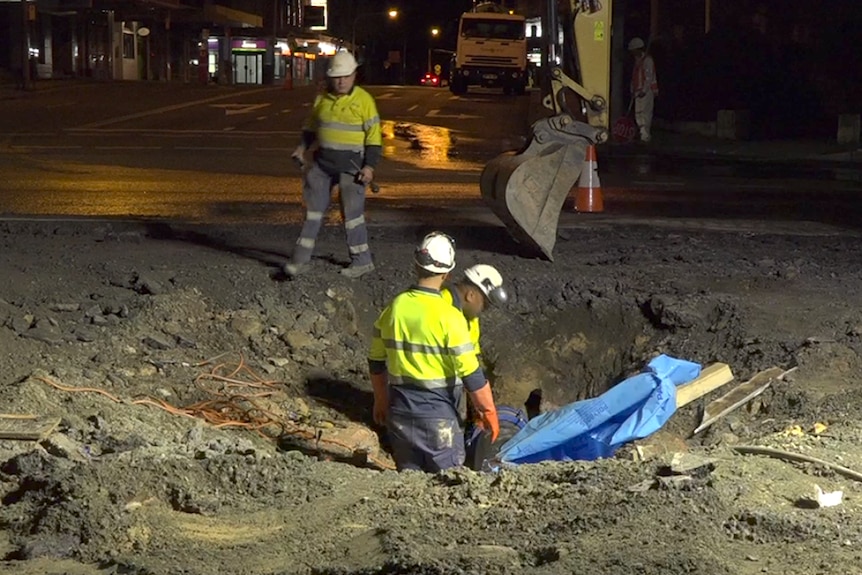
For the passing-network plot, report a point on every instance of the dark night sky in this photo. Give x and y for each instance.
(795, 64)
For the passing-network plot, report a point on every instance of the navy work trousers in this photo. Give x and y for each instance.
(317, 193)
(426, 444)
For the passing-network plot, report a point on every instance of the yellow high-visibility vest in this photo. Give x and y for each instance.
(472, 324)
(346, 122)
(424, 341)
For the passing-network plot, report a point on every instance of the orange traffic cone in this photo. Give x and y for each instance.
(589, 195)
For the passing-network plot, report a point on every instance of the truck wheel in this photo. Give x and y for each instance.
(458, 87)
(520, 89)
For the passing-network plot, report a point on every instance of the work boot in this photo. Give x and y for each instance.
(354, 272)
(292, 270)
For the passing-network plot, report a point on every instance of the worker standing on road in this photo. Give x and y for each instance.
(644, 87)
(344, 126)
(420, 359)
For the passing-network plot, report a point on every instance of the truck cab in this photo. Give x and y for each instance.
(491, 52)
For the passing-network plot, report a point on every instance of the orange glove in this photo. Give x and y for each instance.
(483, 401)
(381, 397)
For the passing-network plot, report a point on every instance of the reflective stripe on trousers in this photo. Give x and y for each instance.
(316, 192)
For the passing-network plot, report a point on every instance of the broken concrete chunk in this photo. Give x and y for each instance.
(246, 325)
(184, 341)
(691, 464)
(44, 334)
(297, 340)
(93, 311)
(158, 341)
(21, 323)
(64, 306)
(59, 445)
(675, 481)
(149, 286)
(99, 320)
(830, 499)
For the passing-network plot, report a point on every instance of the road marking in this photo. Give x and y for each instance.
(28, 134)
(413, 107)
(646, 183)
(286, 111)
(435, 113)
(26, 147)
(128, 147)
(206, 148)
(162, 132)
(172, 108)
(234, 109)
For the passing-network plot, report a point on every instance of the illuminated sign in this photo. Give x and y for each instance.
(248, 44)
(326, 49)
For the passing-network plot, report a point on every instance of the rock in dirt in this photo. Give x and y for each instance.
(158, 341)
(246, 324)
(60, 445)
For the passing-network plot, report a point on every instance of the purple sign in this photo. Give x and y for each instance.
(248, 44)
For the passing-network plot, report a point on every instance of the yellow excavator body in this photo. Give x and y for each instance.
(527, 189)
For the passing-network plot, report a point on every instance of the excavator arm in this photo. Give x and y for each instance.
(527, 189)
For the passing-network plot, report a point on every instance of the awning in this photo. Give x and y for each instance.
(224, 16)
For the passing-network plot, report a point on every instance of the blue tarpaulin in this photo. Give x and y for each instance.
(597, 427)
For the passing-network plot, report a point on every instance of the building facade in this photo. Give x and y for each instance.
(230, 41)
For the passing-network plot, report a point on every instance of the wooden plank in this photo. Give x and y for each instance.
(740, 395)
(711, 378)
(24, 427)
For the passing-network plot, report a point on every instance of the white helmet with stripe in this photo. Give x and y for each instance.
(490, 281)
(436, 253)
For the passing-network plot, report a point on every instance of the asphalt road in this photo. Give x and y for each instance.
(221, 155)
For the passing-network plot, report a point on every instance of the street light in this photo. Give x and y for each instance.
(392, 13)
(435, 31)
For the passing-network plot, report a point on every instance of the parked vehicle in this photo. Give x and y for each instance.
(430, 79)
(491, 52)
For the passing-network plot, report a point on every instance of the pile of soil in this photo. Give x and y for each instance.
(202, 414)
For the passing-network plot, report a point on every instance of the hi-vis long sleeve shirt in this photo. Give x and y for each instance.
(422, 341)
(347, 130)
(644, 76)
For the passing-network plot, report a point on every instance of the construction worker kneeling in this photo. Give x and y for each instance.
(420, 360)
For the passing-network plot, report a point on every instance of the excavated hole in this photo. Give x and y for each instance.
(578, 353)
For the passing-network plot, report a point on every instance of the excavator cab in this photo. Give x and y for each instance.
(527, 189)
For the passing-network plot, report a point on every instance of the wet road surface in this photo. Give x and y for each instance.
(222, 156)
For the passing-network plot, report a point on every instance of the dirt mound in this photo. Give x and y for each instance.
(203, 416)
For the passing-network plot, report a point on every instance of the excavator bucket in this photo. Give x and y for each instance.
(526, 190)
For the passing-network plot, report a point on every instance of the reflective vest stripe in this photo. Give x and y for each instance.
(408, 347)
(424, 383)
(341, 126)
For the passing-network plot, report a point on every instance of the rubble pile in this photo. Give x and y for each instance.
(170, 404)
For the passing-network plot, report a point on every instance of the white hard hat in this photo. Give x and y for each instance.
(489, 280)
(636, 44)
(436, 253)
(342, 64)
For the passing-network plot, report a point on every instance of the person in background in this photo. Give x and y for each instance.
(644, 87)
(344, 128)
